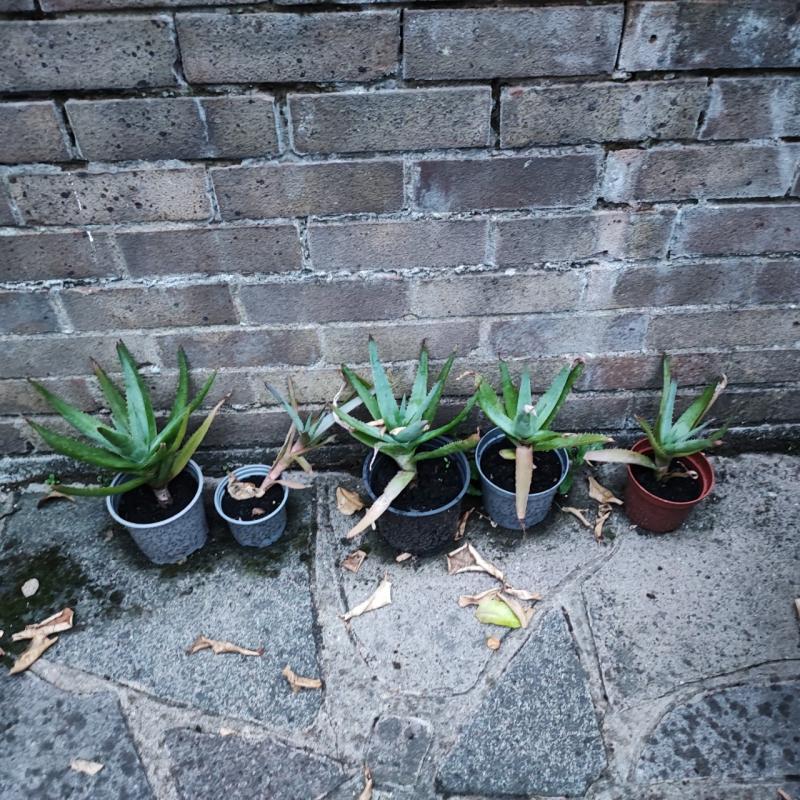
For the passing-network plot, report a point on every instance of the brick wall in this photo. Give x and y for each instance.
(266, 184)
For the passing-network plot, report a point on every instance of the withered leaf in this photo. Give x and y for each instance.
(402, 557)
(297, 682)
(381, 597)
(217, 647)
(462, 523)
(257, 512)
(796, 608)
(223, 731)
(62, 621)
(784, 795)
(366, 792)
(52, 495)
(600, 493)
(578, 514)
(35, 649)
(521, 594)
(603, 513)
(493, 643)
(243, 490)
(474, 599)
(467, 559)
(87, 767)
(30, 587)
(494, 611)
(520, 612)
(353, 562)
(348, 502)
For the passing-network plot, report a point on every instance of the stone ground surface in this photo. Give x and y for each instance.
(655, 667)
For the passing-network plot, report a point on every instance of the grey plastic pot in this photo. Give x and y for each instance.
(501, 504)
(172, 539)
(259, 532)
(421, 532)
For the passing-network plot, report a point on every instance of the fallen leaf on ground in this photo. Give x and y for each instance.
(35, 649)
(30, 587)
(784, 795)
(578, 513)
(218, 647)
(520, 612)
(474, 599)
(354, 561)
(297, 682)
(521, 594)
(348, 502)
(227, 732)
(600, 493)
(381, 597)
(603, 513)
(796, 608)
(403, 557)
(493, 643)
(87, 767)
(52, 495)
(257, 512)
(462, 524)
(366, 792)
(467, 559)
(62, 621)
(494, 611)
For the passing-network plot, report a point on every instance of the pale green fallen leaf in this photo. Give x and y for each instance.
(493, 611)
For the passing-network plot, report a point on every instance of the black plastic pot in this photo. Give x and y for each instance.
(421, 532)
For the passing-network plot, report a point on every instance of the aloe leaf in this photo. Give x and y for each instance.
(369, 431)
(459, 446)
(328, 419)
(182, 390)
(420, 387)
(292, 412)
(383, 389)
(523, 477)
(73, 448)
(510, 394)
(102, 491)
(363, 390)
(193, 442)
(490, 405)
(619, 456)
(116, 402)
(392, 491)
(698, 409)
(551, 401)
(524, 396)
(431, 404)
(140, 410)
(572, 440)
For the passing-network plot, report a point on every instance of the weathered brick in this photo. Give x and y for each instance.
(263, 248)
(17, 396)
(149, 307)
(175, 127)
(297, 190)
(728, 328)
(586, 412)
(776, 282)
(739, 229)
(511, 43)
(752, 108)
(475, 295)
(571, 113)
(414, 119)
(31, 132)
(53, 256)
(12, 439)
(572, 333)
(525, 182)
(87, 53)
(397, 245)
(235, 384)
(694, 34)
(317, 300)
(81, 198)
(26, 312)
(295, 48)
(6, 214)
(742, 367)
(399, 342)
(10, 6)
(311, 384)
(246, 428)
(243, 347)
(113, 5)
(700, 171)
(581, 237)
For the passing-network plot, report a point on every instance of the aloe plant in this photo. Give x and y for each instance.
(131, 444)
(399, 430)
(670, 440)
(527, 426)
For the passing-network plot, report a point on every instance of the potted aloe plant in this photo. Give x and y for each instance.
(157, 491)
(522, 462)
(416, 476)
(668, 473)
(252, 499)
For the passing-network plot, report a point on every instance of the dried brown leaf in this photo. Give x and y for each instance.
(784, 795)
(62, 621)
(353, 562)
(462, 524)
(35, 649)
(217, 647)
(52, 495)
(366, 792)
(403, 557)
(297, 682)
(348, 502)
(242, 490)
(603, 513)
(381, 597)
(600, 493)
(30, 587)
(223, 731)
(493, 643)
(257, 512)
(522, 594)
(467, 559)
(84, 766)
(473, 599)
(796, 608)
(578, 514)
(520, 612)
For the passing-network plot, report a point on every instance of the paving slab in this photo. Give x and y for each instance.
(397, 747)
(714, 597)
(536, 732)
(135, 620)
(208, 767)
(43, 730)
(741, 734)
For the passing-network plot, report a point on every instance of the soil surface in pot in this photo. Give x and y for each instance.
(678, 490)
(438, 482)
(140, 505)
(500, 471)
(243, 509)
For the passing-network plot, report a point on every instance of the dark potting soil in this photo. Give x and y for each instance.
(438, 482)
(140, 505)
(501, 471)
(243, 509)
(678, 490)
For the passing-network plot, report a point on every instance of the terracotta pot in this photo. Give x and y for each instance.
(654, 513)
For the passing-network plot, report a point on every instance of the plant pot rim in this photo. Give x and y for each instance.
(247, 471)
(366, 471)
(496, 433)
(643, 446)
(110, 499)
